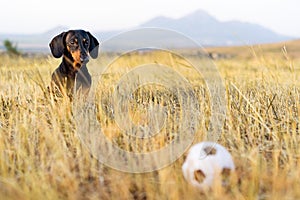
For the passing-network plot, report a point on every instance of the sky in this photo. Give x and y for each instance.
(37, 16)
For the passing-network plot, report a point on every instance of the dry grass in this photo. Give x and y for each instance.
(274, 50)
(41, 156)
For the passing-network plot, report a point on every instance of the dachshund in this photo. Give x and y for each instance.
(75, 47)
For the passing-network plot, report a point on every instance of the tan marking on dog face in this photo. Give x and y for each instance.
(76, 57)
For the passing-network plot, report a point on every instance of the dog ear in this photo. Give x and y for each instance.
(94, 46)
(57, 45)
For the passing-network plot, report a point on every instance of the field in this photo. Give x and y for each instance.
(42, 156)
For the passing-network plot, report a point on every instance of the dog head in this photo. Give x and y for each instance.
(76, 46)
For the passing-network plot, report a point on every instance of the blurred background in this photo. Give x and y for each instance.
(31, 24)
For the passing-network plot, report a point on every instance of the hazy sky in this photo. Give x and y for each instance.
(35, 16)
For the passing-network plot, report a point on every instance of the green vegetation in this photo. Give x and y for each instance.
(10, 48)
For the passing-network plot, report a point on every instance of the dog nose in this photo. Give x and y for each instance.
(84, 58)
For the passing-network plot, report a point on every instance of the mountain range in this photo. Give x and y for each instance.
(199, 25)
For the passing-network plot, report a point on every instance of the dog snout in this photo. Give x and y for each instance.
(84, 58)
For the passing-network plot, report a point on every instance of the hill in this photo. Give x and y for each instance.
(200, 26)
(208, 31)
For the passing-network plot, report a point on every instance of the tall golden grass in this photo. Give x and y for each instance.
(42, 157)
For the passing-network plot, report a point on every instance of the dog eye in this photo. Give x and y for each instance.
(86, 42)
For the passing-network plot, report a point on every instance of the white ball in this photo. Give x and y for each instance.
(208, 158)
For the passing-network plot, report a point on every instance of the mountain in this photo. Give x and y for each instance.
(199, 25)
(208, 31)
(55, 31)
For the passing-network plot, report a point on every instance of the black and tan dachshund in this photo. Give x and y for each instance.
(75, 46)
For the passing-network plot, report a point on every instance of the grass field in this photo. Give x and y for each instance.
(42, 157)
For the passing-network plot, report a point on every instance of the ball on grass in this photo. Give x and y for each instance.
(205, 163)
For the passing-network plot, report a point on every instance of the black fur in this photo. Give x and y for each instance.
(75, 46)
